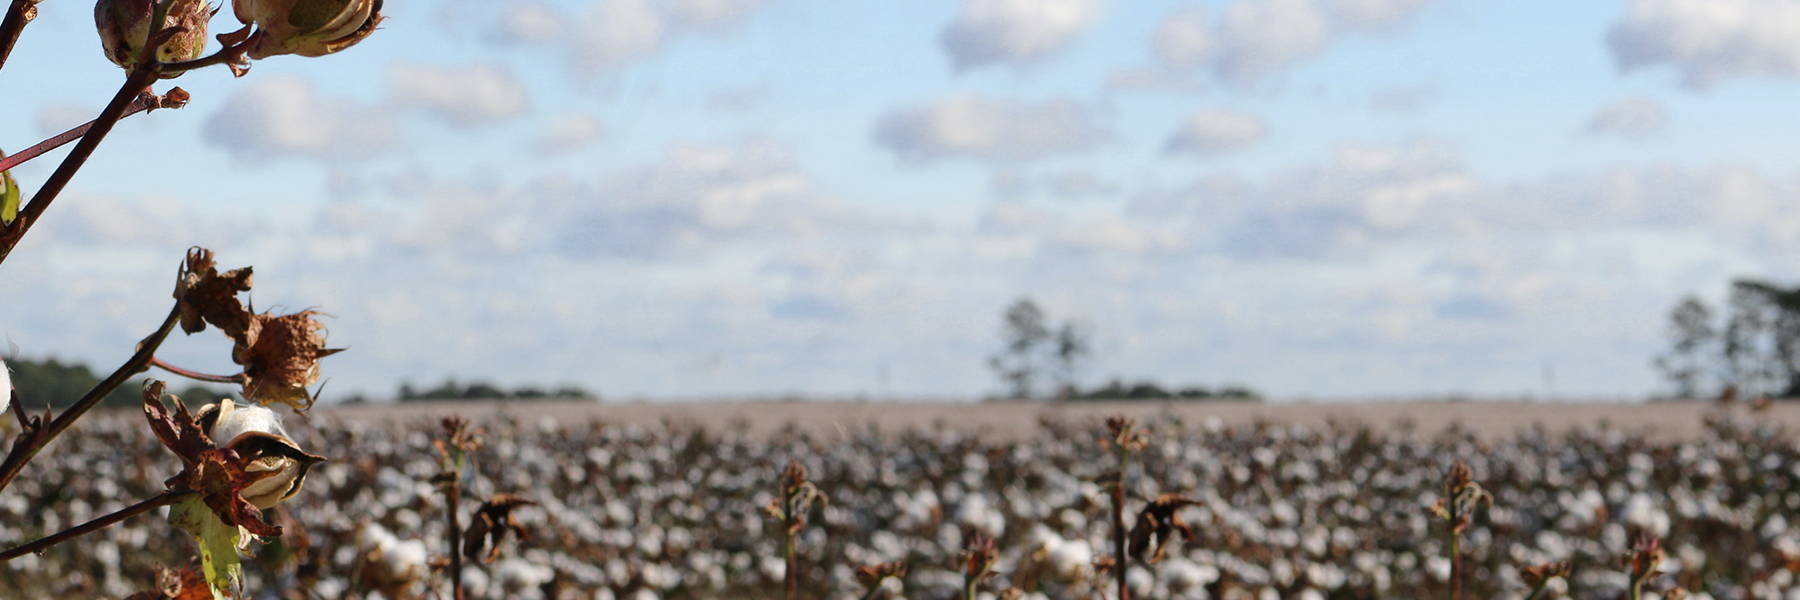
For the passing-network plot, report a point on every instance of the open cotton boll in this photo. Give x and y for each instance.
(5, 381)
(236, 420)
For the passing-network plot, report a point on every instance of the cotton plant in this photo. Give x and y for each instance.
(235, 460)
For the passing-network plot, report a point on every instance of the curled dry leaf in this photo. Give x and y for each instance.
(1160, 519)
(491, 524)
(205, 295)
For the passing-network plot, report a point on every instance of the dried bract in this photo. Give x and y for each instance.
(1645, 558)
(218, 475)
(871, 576)
(797, 497)
(256, 434)
(1124, 436)
(280, 355)
(1160, 519)
(979, 557)
(491, 524)
(204, 295)
(1538, 576)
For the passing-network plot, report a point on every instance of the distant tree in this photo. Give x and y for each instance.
(1072, 348)
(1756, 345)
(1774, 341)
(1691, 335)
(52, 382)
(1025, 332)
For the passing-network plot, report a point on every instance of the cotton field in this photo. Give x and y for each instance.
(678, 511)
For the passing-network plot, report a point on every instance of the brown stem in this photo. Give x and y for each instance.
(792, 575)
(39, 545)
(196, 375)
(142, 103)
(139, 79)
(18, 14)
(456, 583)
(31, 442)
(1118, 522)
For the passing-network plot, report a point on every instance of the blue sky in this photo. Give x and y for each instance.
(702, 198)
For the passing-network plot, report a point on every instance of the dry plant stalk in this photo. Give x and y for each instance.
(1456, 508)
(979, 557)
(1124, 439)
(453, 449)
(798, 494)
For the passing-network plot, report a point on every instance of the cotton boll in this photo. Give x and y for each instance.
(1072, 561)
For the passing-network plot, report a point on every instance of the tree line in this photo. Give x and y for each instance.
(58, 383)
(1040, 358)
(1752, 346)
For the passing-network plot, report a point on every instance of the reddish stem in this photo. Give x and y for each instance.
(30, 442)
(39, 545)
(196, 375)
(144, 102)
(455, 534)
(135, 84)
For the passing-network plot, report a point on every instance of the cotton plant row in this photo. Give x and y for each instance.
(231, 461)
(1208, 511)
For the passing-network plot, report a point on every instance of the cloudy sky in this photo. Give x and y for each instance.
(687, 198)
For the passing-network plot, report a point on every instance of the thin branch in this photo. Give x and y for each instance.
(18, 14)
(231, 55)
(32, 441)
(142, 103)
(39, 545)
(139, 79)
(196, 375)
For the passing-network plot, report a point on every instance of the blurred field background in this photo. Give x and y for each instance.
(664, 501)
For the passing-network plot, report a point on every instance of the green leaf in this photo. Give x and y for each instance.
(9, 196)
(218, 542)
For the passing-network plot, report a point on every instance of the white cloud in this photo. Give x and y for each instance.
(1633, 118)
(712, 13)
(567, 132)
(988, 129)
(1215, 132)
(529, 23)
(463, 97)
(1015, 32)
(618, 31)
(1708, 41)
(284, 116)
(1254, 39)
